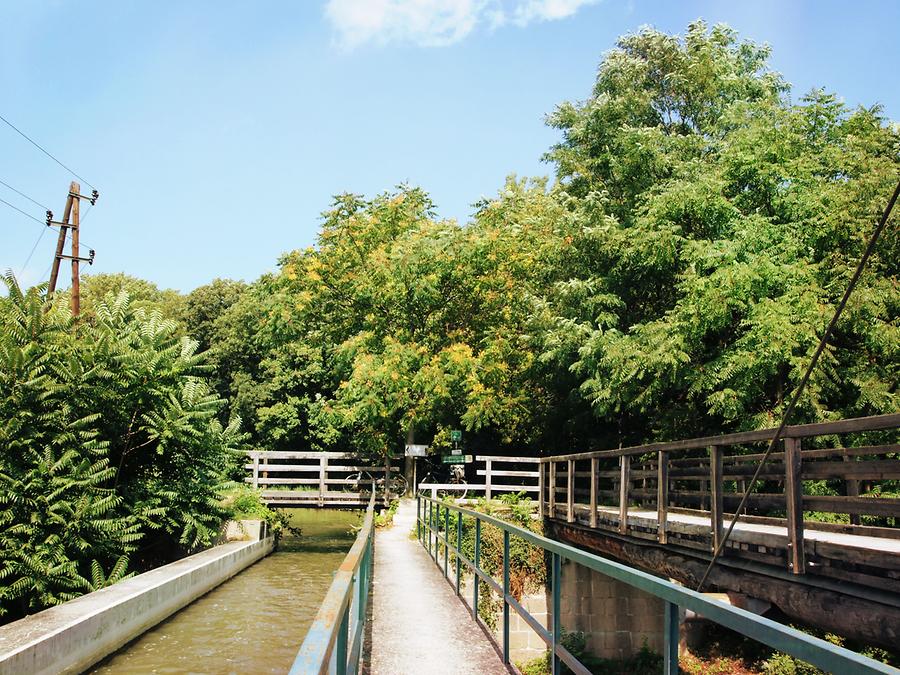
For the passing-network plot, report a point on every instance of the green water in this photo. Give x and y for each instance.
(255, 622)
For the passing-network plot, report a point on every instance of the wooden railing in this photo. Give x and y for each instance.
(497, 475)
(674, 477)
(319, 478)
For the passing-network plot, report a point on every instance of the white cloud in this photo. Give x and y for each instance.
(435, 23)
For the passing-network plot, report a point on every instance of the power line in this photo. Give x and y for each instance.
(33, 249)
(812, 364)
(22, 194)
(27, 215)
(35, 144)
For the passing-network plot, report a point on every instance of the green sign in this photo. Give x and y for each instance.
(453, 459)
(456, 435)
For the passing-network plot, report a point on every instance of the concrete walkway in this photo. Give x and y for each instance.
(418, 623)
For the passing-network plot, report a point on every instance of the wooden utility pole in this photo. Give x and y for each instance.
(71, 219)
(61, 241)
(76, 280)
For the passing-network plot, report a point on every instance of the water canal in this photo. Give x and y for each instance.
(255, 622)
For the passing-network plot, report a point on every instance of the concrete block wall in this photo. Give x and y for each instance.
(616, 619)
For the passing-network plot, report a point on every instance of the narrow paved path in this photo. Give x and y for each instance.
(419, 625)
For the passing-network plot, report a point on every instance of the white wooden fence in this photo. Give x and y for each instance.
(314, 478)
(502, 475)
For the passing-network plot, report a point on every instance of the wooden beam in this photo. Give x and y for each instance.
(717, 501)
(852, 491)
(570, 492)
(594, 466)
(323, 469)
(552, 495)
(487, 478)
(624, 486)
(541, 484)
(662, 495)
(793, 487)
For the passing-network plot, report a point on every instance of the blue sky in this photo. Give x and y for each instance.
(218, 131)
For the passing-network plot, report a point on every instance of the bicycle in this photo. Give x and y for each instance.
(365, 482)
(457, 477)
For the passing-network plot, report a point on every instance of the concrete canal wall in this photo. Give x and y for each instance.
(73, 636)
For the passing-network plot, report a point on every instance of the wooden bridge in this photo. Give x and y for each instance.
(316, 479)
(664, 508)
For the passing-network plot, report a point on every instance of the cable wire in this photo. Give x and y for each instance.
(812, 364)
(27, 215)
(33, 249)
(22, 194)
(35, 144)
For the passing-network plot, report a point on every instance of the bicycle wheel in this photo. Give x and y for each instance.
(399, 485)
(462, 493)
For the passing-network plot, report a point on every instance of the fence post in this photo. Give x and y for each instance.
(670, 649)
(594, 466)
(570, 491)
(552, 495)
(793, 487)
(459, 532)
(541, 486)
(555, 581)
(476, 578)
(342, 642)
(716, 498)
(419, 518)
(446, 540)
(505, 596)
(323, 469)
(852, 491)
(624, 484)
(255, 470)
(487, 478)
(662, 495)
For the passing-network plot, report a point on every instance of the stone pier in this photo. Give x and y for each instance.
(616, 619)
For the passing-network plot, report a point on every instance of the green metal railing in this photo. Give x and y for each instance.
(433, 529)
(333, 643)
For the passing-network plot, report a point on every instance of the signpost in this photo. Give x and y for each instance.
(416, 450)
(454, 459)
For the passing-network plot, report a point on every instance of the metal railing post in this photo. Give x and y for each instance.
(671, 637)
(341, 648)
(430, 524)
(555, 580)
(446, 540)
(505, 596)
(477, 562)
(419, 518)
(459, 531)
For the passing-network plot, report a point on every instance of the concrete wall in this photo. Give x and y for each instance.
(616, 619)
(73, 636)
